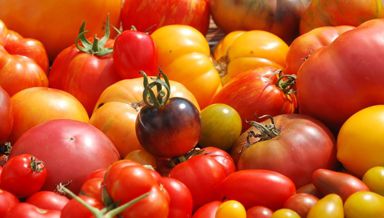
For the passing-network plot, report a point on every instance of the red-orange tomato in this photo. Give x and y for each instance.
(307, 44)
(56, 23)
(5, 115)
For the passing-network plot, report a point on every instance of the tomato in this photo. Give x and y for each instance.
(149, 15)
(7, 202)
(23, 175)
(220, 126)
(241, 51)
(258, 92)
(329, 206)
(308, 43)
(231, 209)
(335, 13)
(208, 210)
(5, 116)
(48, 200)
(166, 127)
(53, 104)
(292, 144)
(74, 209)
(222, 157)
(373, 179)
(143, 157)
(79, 141)
(364, 204)
(258, 188)
(342, 184)
(57, 37)
(359, 142)
(92, 188)
(26, 210)
(202, 174)
(285, 213)
(278, 17)
(85, 68)
(259, 212)
(180, 205)
(301, 203)
(134, 51)
(326, 84)
(123, 101)
(180, 46)
(99, 173)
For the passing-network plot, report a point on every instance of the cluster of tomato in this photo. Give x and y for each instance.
(279, 119)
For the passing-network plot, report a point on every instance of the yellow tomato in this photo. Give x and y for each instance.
(360, 142)
(285, 213)
(374, 179)
(330, 206)
(184, 55)
(364, 205)
(231, 209)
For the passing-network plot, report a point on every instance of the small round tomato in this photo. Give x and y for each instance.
(222, 157)
(220, 126)
(285, 213)
(74, 209)
(48, 200)
(364, 204)
(180, 205)
(166, 127)
(92, 188)
(23, 175)
(231, 209)
(301, 203)
(5, 115)
(142, 156)
(259, 212)
(25, 210)
(374, 178)
(7, 202)
(208, 210)
(329, 206)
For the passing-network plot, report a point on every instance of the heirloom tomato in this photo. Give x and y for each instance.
(85, 68)
(340, 79)
(280, 17)
(180, 205)
(231, 209)
(208, 210)
(53, 104)
(307, 44)
(70, 149)
(301, 203)
(373, 179)
(285, 213)
(117, 108)
(335, 13)
(184, 55)
(259, 212)
(292, 144)
(257, 92)
(240, 51)
(7, 202)
(330, 205)
(222, 157)
(5, 116)
(149, 15)
(364, 204)
(44, 19)
(142, 157)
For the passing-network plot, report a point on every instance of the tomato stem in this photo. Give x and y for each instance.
(36, 165)
(266, 131)
(163, 90)
(286, 82)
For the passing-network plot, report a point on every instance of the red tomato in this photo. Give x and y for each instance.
(202, 174)
(222, 157)
(208, 210)
(48, 200)
(301, 203)
(70, 149)
(180, 205)
(7, 202)
(5, 116)
(26, 210)
(259, 212)
(258, 92)
(99, 173)
(92, 188)
(258, 188)
(74, 209)
(23, 175)
(135, 51)
(148, 15)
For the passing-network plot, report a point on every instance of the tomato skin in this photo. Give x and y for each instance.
(135, 51)
(5, 115)
(330, 205)
(259, 212)
(81, 142)
(74, 209)
(364, 204)
(23, 175)
(93, 188)
(149, 15)
(171, 130)
(222, 157)
(301, 203)
(48, 200)
(202, 174)
(7, 202)
(231, 208)
(26, 210)
(373, 177)
(259, 188)
(207, 210)
(180, 205)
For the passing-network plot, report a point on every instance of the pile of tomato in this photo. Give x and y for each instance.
(114, 108)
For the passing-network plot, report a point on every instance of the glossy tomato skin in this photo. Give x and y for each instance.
(82, 74)
(92, 188)
(221, 156)
(5, 115)
(149, 15)
(23, 175)
(57, 37)
(180, 205)
(208, 210)
(258, 188)
(171, 130)
(135, 51)
(364, 204)
(7, 202)
(79, 141)
(330, 205)
(74, 209)
(202, 174)
(48, 200)
(301, 203)
(302, 146)
(259, 212)
(26, 210)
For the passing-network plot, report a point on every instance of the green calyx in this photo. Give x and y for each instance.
(286, 82)
(163, 90)
(97, 47)
(265, 131)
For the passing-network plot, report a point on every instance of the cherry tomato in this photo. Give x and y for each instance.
(74, 209)
(259, 212)
(180, 205)
(364, 204)
(329, 206)
(231, 209)
(48, 200)
(23, 175)
(92, 188)
(142, 156)
(26, 210)
(208, 210)
(374, 178)
(301, 203)
(7, 202)
(5, 115)
(285, 213)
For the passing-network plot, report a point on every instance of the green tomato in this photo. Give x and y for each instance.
(374, 178)
(220, 126)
